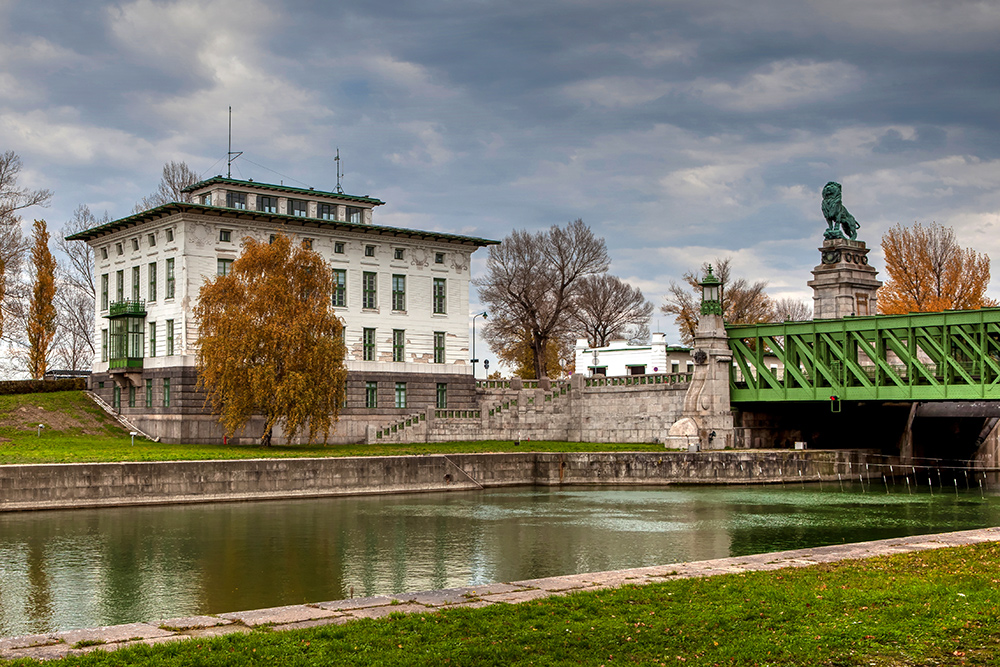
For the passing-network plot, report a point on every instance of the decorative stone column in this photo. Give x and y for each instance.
(707, 419)
(844, 283)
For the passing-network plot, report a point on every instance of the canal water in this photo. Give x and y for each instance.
(70, 569)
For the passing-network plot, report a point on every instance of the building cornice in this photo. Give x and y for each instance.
(235, 214)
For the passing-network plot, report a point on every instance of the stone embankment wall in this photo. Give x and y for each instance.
(635, 409)
(78, 485)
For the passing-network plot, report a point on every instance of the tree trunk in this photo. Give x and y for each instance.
(538, 349)
(265, 440)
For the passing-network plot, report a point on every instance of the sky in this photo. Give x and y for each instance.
(680, 131)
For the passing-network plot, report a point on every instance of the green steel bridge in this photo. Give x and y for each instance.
(946, 356)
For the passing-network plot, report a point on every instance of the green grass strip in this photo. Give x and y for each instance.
(77, 431)
(937, 607)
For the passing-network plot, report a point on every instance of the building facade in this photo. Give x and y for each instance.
(619, 358)
(403, 295)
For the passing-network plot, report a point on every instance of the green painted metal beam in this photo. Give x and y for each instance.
(952, 355)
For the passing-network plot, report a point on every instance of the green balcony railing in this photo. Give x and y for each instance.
(128, 308)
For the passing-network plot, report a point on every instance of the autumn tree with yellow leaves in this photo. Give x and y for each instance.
(41, 310)
(270, 343)
(929, 272)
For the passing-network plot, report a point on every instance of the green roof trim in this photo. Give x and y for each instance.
(220, 180)
(223, 212)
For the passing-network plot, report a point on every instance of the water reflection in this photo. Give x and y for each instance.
(62, 570)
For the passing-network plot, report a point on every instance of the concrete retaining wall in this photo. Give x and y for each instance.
(561, 411)
(66, 486)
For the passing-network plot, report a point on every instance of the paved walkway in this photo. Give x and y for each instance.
(76, 642)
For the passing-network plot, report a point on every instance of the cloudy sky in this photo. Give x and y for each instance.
(679, 130)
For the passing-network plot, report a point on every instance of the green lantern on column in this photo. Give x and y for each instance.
(711, 294)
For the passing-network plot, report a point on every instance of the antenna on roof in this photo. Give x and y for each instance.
(232, 155)
(340, 190)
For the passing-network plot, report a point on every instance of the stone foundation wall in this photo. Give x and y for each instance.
(67, 486)
(568, 411)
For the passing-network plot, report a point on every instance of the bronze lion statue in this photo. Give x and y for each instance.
(837, 217)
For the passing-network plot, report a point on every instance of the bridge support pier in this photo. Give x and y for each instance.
(707, 419)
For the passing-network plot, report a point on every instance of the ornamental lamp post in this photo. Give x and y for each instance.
(474, 359)
(711, 294)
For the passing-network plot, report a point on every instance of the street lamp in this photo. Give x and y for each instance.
(474, 360)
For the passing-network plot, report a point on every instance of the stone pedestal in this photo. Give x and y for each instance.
(707, 419)
(844, 283)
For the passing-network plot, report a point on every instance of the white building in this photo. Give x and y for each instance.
(403, 294)
(620, 358)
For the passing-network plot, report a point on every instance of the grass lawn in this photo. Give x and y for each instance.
(937, 607)
(76, 430)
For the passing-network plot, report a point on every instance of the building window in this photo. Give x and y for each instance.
(440, 289)
(131, 395)
(340, 288)
(170, 338)
(267, 204)
(398, 292)
(225, 235)
(166, 392)
(369, 290)
(120, 285)
(151, 288)
(152, 339)
(170, 236)
(369, 251)
(338, 247)
(238, 200)
(104, 252)
(400, 394)
(271, 240)
(135, 283)
(675, 367)
(353, 214)
(104, 344)
(135, 244)
(397, 253)
(442, 396)
(223, 267)
(149, 392)
(326, 212)
(690, 367)
(151, 240)
(116, 398)
(439, 258)
(119, 249)
(170, 278)
(438, 347)
(104, 291)
(368, 345)
(207, 199)
(371, 394)
(398, 345)
(297, 207)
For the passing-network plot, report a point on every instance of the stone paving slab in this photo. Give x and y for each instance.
(380, 612)
(53, 645)
(191, 622)
(278, 615)
(357, 603)
(113, 633)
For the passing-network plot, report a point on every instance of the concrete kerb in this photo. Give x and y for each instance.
(77, 642)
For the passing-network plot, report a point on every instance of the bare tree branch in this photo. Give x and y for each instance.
(531, 282)
(606, 308)
(176, 177)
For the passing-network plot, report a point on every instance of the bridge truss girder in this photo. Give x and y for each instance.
(951, 355)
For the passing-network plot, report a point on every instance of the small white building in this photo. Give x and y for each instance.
(620, 358)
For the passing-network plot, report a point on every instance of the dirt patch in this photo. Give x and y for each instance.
(28, 417)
